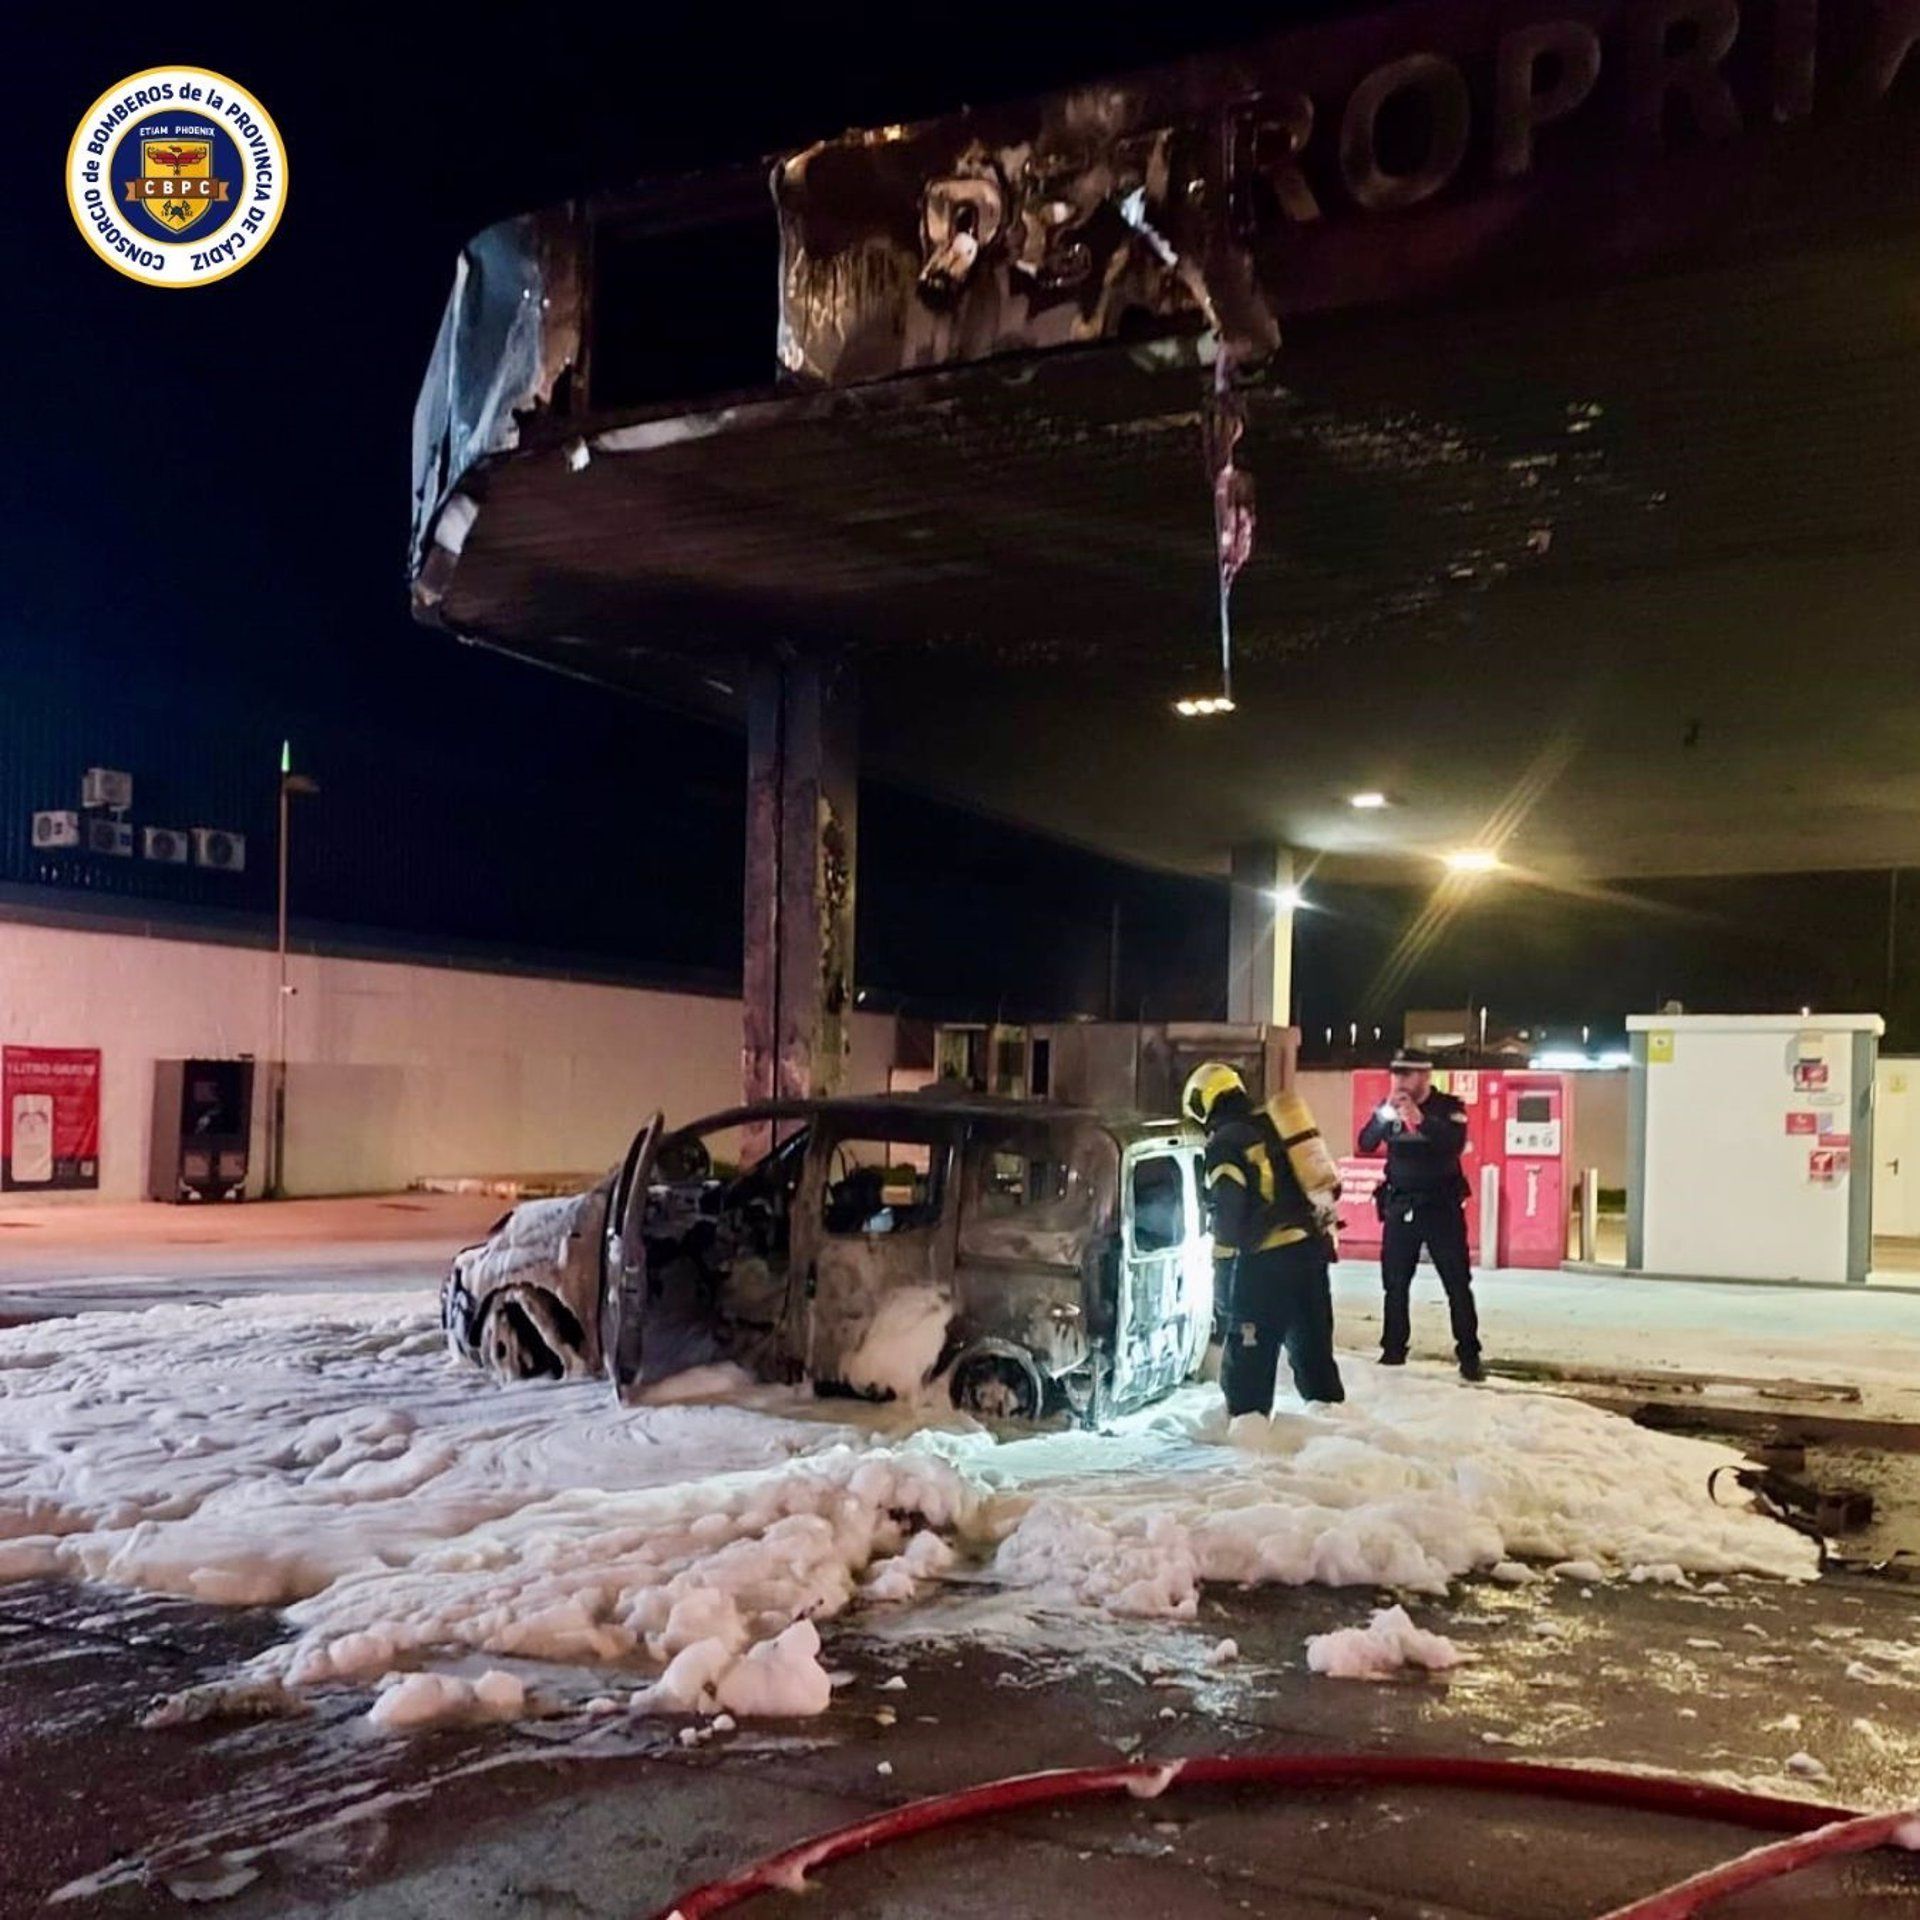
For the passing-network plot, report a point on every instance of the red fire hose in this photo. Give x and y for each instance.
(1819, 1831)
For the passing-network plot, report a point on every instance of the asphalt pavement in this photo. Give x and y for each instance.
(1808, 1689)
(319, 1816)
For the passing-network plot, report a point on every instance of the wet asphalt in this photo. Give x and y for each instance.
(573, 1814)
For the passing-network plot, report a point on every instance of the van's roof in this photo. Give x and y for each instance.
(936, 1103)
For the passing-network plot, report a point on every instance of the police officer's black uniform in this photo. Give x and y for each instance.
(1421, 1204)
(1271, 1257)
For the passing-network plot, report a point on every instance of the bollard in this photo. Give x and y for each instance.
(1589, 1215)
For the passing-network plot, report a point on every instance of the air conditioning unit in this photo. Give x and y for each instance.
(105, 787)
(166, 843)
(216, 847)
(113, 837)
(58, 828)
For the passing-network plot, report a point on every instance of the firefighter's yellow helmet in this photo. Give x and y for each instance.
(1205, 1085)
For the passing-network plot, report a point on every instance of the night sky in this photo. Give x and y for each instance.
(208, 490)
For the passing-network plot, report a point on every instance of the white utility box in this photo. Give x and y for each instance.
(1750, 1145)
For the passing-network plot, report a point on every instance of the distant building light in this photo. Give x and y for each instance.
(1367, 802)
(1203, 705)
(1569, 1060)
(1473, 860)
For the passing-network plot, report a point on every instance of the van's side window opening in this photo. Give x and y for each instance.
(1013, 1179)
(881, 1186)
(1159, 1204)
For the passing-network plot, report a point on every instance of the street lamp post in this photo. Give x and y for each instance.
(290, 784)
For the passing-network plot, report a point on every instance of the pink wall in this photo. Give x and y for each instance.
(396, 1072)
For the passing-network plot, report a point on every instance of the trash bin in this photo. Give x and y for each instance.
(202, 1129)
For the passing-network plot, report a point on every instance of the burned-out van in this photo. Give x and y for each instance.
(1032, 1257)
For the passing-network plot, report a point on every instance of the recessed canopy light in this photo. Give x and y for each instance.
(1288, 899)
(1473, 860)
(1368, 802)
(1205, 704)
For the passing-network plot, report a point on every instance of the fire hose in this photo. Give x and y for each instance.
(1817, 1832)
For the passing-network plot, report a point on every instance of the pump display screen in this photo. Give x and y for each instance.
(1532, 1128)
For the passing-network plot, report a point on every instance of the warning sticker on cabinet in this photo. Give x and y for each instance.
(1827, 1166)
(1810, 1076)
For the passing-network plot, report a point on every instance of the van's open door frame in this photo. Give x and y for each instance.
(623, 1262)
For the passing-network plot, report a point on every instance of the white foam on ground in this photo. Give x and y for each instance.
(1386, 1644)
(325, 1456)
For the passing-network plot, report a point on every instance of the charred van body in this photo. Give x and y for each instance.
(1033, 1258)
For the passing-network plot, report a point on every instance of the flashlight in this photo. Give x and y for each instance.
(1385, 1111)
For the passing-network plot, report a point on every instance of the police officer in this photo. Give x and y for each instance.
(1271, 1236)
(1422, 1204)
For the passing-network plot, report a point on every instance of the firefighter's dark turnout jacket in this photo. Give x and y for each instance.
(1256, 1199)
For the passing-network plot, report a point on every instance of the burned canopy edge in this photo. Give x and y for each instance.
(1424, 152)
(510, 335)
(1400, 155)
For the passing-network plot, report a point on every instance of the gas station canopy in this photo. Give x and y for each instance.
(1584, 469)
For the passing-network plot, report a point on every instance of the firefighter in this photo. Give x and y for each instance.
(1271, 1189)
(1422, 1204)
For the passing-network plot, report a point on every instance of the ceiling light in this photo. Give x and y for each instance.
(1473, 860)
(1368, 802)
(1287, 899)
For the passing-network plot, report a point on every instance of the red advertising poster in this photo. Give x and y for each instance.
(49, 1118)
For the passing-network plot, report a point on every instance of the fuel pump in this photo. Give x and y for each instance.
(1536, 1147)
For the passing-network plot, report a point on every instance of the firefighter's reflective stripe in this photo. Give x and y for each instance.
(1262, 1166)
(1226, 1170)
(1284, 1237)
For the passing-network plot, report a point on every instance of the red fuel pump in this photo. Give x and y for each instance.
(1535, 1115)
(1519, 1126)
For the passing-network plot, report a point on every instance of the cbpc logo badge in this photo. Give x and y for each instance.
(177, 176)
